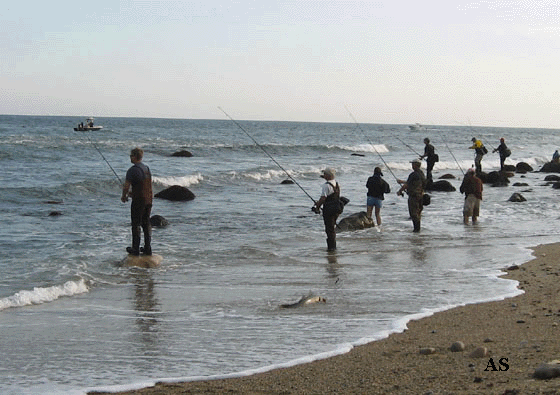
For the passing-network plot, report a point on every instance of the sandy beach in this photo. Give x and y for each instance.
(504, 342)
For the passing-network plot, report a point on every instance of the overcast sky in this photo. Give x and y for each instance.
(433, 62)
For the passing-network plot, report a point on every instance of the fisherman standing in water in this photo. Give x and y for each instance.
(504, 152)
(414, 186)
(472, 188)
(139, 178)
(377, 187)
(480, 151)
(431, 159)
(330, 195)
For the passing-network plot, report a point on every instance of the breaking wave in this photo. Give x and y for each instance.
(41, 295)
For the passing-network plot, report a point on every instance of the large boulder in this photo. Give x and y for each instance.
(354, 221)
(550, 167)
(496, 178)
(523, 167)
(441, 186)
(176, 193)
(510, 168)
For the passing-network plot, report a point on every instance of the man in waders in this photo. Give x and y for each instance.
(330, 196)
(472, 188)
(414, 186)
(138, 185)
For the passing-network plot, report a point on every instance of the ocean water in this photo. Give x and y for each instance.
(73, 319)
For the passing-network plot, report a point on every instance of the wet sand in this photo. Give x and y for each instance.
(518, 334)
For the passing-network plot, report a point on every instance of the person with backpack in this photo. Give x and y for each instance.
(377, 187)
(504, 152)
(431, 159)
(480, 150)
(332, 206)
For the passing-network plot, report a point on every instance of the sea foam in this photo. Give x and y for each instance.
(41, 295)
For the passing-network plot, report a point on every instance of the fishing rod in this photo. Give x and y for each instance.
(105, 159)
(266, 152)
(365, 135)
(451, 152)
(408, 146)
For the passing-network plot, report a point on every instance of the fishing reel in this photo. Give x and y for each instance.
(316, 210)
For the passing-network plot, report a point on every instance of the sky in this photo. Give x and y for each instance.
(444, 62)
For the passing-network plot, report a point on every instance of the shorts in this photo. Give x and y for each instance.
(373, 201)
(472, 206)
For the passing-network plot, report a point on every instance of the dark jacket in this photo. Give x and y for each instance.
(377, 187)
(471, 185)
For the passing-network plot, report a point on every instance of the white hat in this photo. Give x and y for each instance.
(328, 172)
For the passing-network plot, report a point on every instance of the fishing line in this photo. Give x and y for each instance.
(451, 152)
(266, 152)
(365, 135)
(105, 159)
(408, 146)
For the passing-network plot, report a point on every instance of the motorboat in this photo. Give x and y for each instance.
(88, 126)
(416, 127)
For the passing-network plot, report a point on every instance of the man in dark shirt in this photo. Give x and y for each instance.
(431, 158)
(414, 187)
(472, 188)
(138, 185)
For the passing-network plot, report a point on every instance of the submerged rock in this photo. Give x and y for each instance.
(441, 186)
(176, 193)
(183, 154)
(355, 221)
(517, 198)
(158, 221)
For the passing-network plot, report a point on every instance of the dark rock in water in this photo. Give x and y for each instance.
(552, 177)
(354, 154)
(556, 185)
(520, 184)
(55, 214)
(496, 178)
(158, 221)
(175, 193)
(550, 167)
(447, 177)
(287, 182)
(354, 221)
(517, 198)
(441, 186)
(523, 167)
(183, 154)
(510, 168)
(54, 202)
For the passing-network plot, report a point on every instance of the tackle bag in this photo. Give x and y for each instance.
(426, 199)
(507, 152)
(484, 150)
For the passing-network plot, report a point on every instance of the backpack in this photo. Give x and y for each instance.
(484, 150)
(507, 152)
(335, 202)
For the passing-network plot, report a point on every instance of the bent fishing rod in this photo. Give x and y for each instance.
(408, 146)
(266, 152)
(105, 159)
(365, 135)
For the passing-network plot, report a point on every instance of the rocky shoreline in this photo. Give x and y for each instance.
(487, 348)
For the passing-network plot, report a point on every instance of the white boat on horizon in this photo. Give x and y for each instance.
(416, 127)
(88, 126)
